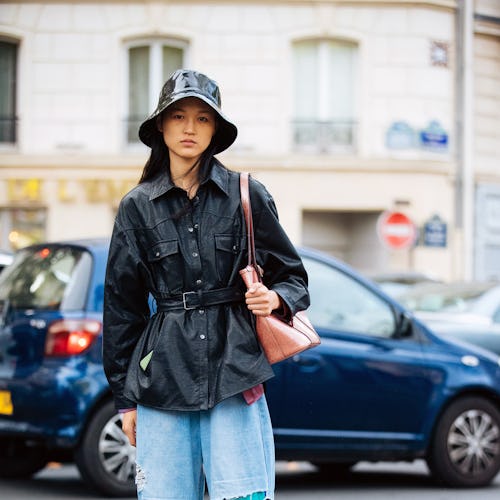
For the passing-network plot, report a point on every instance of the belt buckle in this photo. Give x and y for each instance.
(186, 308)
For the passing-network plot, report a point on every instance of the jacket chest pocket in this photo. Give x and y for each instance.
(227, 247)
(166, 266)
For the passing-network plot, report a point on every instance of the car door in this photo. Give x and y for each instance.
(362, 386)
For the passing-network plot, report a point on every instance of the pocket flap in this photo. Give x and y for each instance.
(226, 243)
(163, 249)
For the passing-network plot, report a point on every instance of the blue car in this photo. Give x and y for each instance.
(380, 387)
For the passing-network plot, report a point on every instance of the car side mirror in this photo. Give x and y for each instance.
(404, 327)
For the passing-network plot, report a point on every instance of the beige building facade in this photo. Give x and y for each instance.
(346, 110)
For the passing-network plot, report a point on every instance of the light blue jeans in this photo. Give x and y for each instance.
(231, 445)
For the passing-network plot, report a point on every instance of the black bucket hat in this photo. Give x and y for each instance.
(187, 83)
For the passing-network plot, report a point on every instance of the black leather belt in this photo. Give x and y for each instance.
(200, 298)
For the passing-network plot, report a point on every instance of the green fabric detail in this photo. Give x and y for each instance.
(145, 360)
(260, 495)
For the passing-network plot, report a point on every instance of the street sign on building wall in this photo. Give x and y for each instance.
(435, 232)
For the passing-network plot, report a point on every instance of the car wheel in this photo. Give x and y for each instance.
(104, 457)
(465, 450)
(19, 460)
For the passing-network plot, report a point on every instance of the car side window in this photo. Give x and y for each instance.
(496, 316)
(339, 302)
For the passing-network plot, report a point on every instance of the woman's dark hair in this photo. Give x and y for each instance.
(158, 159)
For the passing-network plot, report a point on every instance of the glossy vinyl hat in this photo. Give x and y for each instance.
(187, 83)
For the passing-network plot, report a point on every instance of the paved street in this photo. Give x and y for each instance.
(297, 481)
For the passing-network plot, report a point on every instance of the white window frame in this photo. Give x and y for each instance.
(322, 112)
(156, 82)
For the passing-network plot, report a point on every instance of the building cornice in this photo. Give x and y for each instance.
(449, 4)
(132, 164)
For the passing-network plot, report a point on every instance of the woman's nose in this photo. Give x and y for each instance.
(189, 126)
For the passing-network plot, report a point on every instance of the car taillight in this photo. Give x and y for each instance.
(71, 336)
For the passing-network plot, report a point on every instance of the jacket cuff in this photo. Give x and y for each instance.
(285, 311)
(126, 410)
(123, 403)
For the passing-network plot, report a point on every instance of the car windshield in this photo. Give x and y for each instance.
(453, 297)
(48, 277)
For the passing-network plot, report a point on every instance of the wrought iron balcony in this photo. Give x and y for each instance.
(339, 136)
(8, 129)
(132, 124)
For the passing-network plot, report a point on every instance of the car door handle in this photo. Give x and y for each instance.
(306, 362)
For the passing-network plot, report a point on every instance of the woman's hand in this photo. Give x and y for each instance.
(261, 301)
(129, 424)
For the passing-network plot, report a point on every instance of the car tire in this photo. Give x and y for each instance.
(20, 460)
(334, 469)
(104, 457)
(465, 448)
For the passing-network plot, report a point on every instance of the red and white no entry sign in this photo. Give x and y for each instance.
(396, 230)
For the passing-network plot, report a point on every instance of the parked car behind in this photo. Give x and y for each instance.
(465, 311)
(380, 387)
(5, 259)
(398, 283)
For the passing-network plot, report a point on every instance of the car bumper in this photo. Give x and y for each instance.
(51, 405)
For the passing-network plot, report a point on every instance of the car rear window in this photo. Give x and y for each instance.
(51, 277)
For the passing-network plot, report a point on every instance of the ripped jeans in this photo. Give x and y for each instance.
(230, 445)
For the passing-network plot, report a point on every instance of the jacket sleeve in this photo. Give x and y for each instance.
(284, 271)
(126, 310)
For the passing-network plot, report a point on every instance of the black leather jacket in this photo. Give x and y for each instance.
(190, 359)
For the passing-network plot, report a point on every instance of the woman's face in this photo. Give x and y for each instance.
(187, 127)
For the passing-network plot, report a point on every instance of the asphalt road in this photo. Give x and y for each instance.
(297, 481)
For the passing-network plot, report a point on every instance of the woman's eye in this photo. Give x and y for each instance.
(177, 116)
(204, 119)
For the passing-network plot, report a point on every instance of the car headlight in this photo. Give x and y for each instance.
(470, 360)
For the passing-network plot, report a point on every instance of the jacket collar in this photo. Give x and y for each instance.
(162, 183)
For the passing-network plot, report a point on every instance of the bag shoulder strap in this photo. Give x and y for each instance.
(247, 211)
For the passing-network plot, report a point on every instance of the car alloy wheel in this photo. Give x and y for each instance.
(104, 456)
(465, 447)
(115, 452)
(473, 442)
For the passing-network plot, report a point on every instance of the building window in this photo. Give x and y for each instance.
(150, 63)
(325, 96)
(21, 226)
(8, 83)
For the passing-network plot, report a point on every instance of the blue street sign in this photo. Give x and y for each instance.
(435, 232)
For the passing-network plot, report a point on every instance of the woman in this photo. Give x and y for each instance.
(188, 379)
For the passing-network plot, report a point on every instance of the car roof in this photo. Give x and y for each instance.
(5, 258)
(88, 243)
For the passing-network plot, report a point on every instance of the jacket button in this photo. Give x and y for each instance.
(195, 254)
(198, 282)
(196, 226)
(202, 337)
(201, 311)
(190, 229)
(157, 254)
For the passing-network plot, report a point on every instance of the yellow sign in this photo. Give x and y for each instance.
(6, 407)
(69, 191)
(24, 190)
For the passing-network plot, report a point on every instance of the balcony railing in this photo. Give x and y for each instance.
(132, 124)
(337, 136)
(8, 129)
